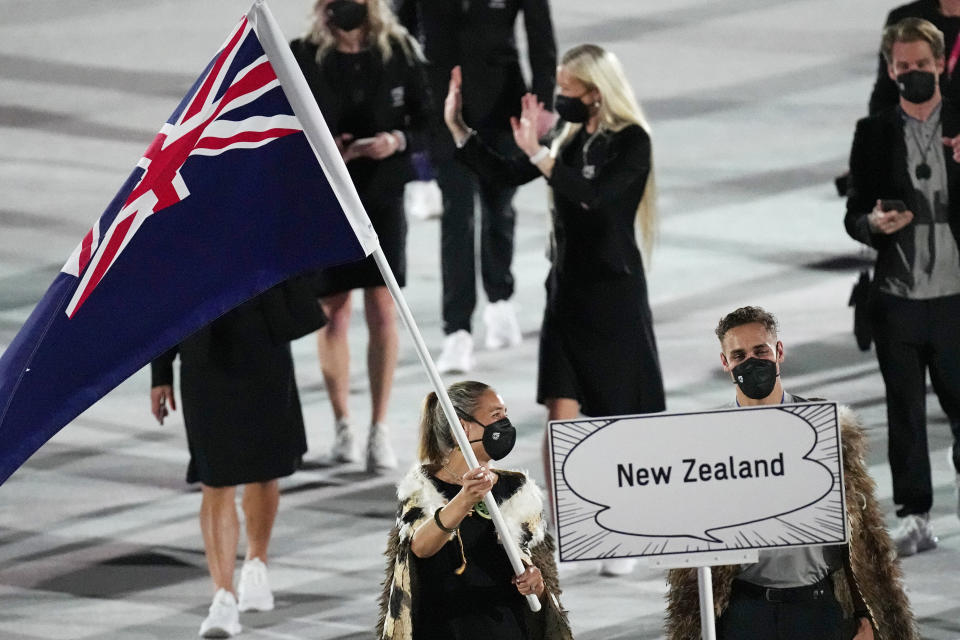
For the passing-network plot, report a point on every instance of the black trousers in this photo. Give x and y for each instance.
(749, 618)
(913, 336)
(459, 185)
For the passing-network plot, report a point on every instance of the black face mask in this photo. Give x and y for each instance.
(346, 15)
(916, 86)
(571, 109)
(498, 437)
(756, 377)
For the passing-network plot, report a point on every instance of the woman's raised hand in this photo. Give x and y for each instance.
(453, 105)
(525, 129)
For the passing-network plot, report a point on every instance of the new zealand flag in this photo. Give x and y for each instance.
(231, 197)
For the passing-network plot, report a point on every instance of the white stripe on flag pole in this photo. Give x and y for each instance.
(305, 107)
(314, 127)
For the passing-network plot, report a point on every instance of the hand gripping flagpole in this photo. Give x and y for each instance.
(318, 134)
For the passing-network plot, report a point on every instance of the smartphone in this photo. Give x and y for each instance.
(892, 205)
(363, 142)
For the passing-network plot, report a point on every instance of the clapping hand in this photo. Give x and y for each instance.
(547, 121)
(526, 129)
(453, 105)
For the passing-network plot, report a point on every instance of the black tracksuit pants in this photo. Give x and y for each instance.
(913, 336)
(459, 186)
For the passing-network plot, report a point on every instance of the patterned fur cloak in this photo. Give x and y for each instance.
(523, 513)
(873, 560)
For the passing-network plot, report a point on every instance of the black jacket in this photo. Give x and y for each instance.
(280, 314)
(478, 35)
(878, 171)
(885, 93)
(593, 217)
(402, 103)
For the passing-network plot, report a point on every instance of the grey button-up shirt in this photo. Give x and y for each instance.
(936, 264)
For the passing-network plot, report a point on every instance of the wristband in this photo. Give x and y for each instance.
(539, 155)
(436, 518)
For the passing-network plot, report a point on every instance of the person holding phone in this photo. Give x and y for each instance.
(447, 575)
(904, 201)
(367, 76)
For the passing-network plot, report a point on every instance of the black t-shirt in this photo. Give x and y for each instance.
(481, 603)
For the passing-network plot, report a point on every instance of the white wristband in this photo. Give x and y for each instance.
(539, 155)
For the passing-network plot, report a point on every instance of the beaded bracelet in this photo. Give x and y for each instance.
(436, 518)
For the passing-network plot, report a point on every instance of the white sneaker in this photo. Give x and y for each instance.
(617, 566)
(254, 589)
(380, 456)
(457, 355)
(502, 328)
(223, 621)
(422, 199)
(344, 447)
(913, 535)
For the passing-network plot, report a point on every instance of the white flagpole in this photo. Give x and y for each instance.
(317, 132)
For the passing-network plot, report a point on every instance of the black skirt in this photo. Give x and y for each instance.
(597, 347)
(240, 402)
(383, 202)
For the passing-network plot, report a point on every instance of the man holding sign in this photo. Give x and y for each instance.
(801, 593)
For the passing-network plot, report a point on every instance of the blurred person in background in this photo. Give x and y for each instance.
(367, 76)
(478, 36)
(598, 354)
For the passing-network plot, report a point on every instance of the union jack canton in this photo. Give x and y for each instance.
(209, 121)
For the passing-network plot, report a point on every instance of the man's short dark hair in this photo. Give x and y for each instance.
(912, 30)
(746, 315)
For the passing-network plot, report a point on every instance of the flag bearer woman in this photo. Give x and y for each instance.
(447, 574)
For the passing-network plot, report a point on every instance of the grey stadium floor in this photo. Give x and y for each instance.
(752, 104)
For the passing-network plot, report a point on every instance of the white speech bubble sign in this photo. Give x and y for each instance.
(684, 475)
